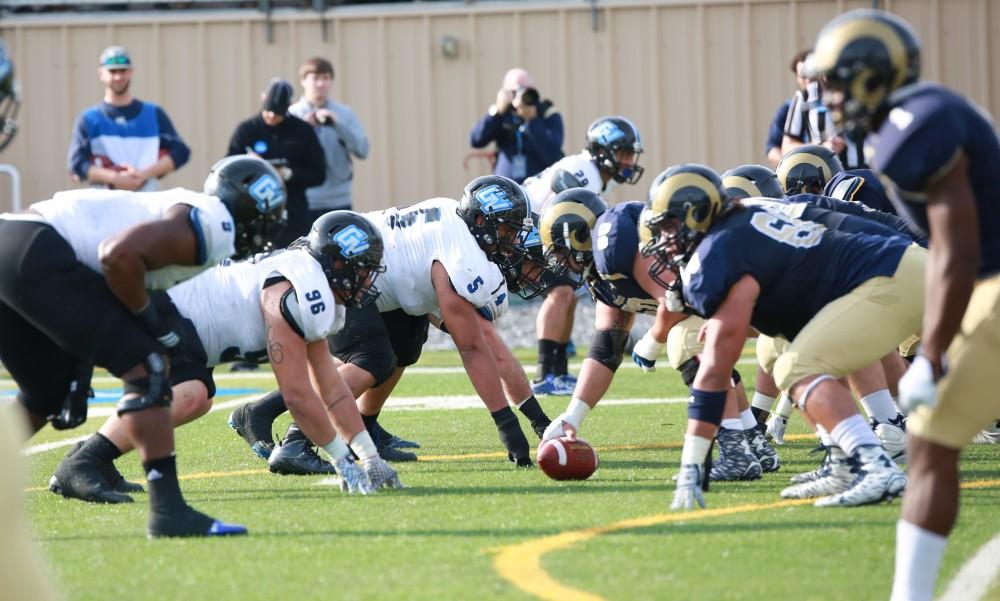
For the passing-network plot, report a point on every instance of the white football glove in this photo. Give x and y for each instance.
(381, 473)
(917, 386)
(688, 491)
(353, 479)
(646, 352)
(559, 427)
(776, 426)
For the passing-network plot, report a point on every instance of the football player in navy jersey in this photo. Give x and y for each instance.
(745, 266)
(939, 156)
(860, 185)
(873, 384)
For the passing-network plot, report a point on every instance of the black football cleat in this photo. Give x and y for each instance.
(388, 439)
(187, 523)
(298, 457)
(397, 455)
(79, 476)
(255, 430)
(111, 474)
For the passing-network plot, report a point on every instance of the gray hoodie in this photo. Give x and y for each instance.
(339, 142)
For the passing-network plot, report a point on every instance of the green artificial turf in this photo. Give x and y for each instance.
(437, 538)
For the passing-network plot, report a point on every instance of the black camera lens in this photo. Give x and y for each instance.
(528, 96)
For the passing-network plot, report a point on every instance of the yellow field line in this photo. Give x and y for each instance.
(521, 564)
(434, 458)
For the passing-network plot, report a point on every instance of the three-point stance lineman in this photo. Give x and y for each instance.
(745, 266)
(59, 316)
(280, 306)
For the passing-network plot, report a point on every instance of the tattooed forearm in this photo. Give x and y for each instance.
(275, 352)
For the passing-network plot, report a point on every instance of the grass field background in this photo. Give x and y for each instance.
(469, 525)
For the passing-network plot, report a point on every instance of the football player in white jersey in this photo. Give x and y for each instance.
(59, 315)
(611, 157)
(281, 306)
(442, 259)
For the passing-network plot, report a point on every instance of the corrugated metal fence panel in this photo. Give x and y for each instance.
(701, 78)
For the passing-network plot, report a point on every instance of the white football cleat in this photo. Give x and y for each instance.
(841, 474)
(893, 439)
(988, 436)
(879, 480)
(776, 426)
(820, 472)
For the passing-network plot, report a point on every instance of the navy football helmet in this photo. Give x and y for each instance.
(685, 205)
(863, 56)
(806, 169)
(10, 98)
(565, 227)
(496, 209)
(350, 249)
(254, 194)
(751, 181)
(608, 136)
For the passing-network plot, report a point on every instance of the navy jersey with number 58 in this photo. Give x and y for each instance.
(616, 242)
(800, 266)
(927, 129)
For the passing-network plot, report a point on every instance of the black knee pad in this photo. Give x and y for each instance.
(689, 369)
(607, 347)
(737, 378)
(153, 390)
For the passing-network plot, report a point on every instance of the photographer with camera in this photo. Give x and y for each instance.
(290, 145)
(527, 130)
(339, 132)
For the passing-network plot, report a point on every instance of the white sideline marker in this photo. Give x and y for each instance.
(977, 575)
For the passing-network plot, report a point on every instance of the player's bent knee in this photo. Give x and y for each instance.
(607, 347)
(804, 388)
(152, 391)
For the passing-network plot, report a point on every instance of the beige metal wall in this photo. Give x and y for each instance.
(700, 78)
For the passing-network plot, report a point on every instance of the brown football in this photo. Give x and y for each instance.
(565, 459)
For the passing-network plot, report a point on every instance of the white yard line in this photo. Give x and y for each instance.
(417, 403)
(267, 375)
(977, 575)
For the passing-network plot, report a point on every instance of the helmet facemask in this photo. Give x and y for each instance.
(567, 259)
(670, 245)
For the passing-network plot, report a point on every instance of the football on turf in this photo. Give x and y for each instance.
(565, 459)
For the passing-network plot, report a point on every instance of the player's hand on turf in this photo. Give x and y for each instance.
(776, 426)
(918, 386)
(645, 353)
(381, 473)
(558, 428)
(353, 479)
(688, 490)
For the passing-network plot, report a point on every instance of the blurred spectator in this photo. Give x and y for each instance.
(527, 130)
(809, 123)
(289, 144)
(123, 143)
(339, 133)
(775, 133)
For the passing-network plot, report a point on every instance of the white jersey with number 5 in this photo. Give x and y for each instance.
(87, 217)
(417, 236)
(224, 304)
(580, 166)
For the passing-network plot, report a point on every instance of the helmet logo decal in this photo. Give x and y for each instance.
(352, 240)
(267, 193)
(531, 239)
(606, 132)
(492, 199)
